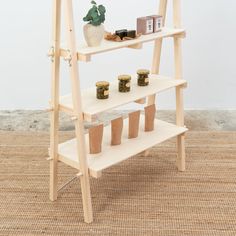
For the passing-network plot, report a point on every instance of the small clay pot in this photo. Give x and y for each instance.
(95, 139)
(134, 118)
(116, 131)
(150, 112)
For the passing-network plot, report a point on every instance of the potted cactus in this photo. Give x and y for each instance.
(94, 29)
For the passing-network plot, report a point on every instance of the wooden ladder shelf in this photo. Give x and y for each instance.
(83, 105)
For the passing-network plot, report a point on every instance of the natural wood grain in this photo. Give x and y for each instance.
(157, 48)
(92, 106)
(83, 105)
(54, 116)
(179, 90)
(77, 107)
(156, 60)
(84, 52)
(112, 155)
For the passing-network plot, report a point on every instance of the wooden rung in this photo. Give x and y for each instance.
(145, 153)
(141, 101)
(136, 46)
(67, 183)
(51, 159)
(85, 58)
(79, 175)
(51, 52)
(180, 35)
(80, 57)
(66, 110)
(185, 85)
(95, 174)
(74, 118)
(90, 118)
(49, 110)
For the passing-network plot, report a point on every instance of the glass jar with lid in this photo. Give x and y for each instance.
(124, 83)
(102, 89)
(143, 79)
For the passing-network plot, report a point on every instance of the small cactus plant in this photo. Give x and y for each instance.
(96, 14)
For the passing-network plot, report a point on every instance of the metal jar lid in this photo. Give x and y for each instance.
(143, 72)
(124, 77)
(102, 84)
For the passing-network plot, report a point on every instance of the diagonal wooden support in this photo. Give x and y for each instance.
(157, 48)
(179, 90)
(55, 100)
(157, 55)
(77, 105)
(70, 181)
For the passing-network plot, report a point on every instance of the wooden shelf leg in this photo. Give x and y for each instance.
(55, 100)
(86, 197)
(77, 105)
(53, 178)
(180, 162)
(157, 48)
(180, 122)
(181, 152)
(157, 56)
(179, 90)
(84, 180)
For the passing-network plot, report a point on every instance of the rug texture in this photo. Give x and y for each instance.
(141, 196)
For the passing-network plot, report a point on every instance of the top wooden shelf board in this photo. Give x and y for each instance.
(85, 52)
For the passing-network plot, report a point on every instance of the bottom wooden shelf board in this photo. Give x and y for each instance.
(112, 155)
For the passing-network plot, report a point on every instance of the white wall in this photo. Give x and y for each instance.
(209, 52)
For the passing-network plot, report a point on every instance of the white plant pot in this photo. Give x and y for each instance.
(93, 34)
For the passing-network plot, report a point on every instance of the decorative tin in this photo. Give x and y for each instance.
(143, 79)
(157, 23)
(102, 89)
(131, 34)
(145, 25)
(124, 83)
(121, 33)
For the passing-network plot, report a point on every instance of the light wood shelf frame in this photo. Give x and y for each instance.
(82, 105)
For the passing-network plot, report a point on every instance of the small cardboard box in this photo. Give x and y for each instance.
(145, 25)
(157, 22)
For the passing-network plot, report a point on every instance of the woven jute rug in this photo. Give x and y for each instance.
(141, 196)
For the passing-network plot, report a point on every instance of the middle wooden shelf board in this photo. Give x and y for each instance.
(112, 155)
(92, 106)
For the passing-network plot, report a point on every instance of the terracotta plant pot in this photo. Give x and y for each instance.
(150, 112)
(95, 139)
(94, 34)
(134, 118)
(116, 131)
